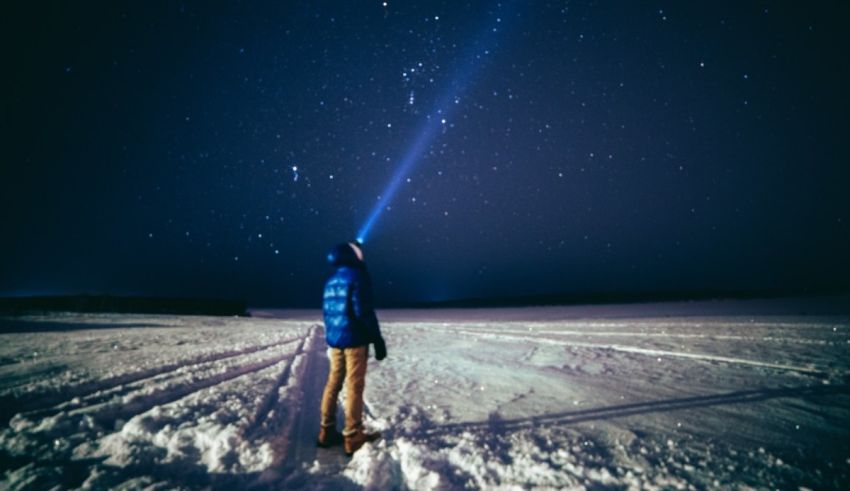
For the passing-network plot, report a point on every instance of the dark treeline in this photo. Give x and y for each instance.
(120, 304)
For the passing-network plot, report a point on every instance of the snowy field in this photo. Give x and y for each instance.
(526, 398)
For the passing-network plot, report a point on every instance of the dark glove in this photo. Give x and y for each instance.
(380, 349)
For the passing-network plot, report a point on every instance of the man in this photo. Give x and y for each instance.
(350, 327)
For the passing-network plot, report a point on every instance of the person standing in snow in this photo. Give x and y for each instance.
(350, 327)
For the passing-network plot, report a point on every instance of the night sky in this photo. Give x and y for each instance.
(221, 148)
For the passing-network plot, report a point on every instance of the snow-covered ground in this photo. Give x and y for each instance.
(529, 398)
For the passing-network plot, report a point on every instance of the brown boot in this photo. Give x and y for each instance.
(353, 442)
(328, 437)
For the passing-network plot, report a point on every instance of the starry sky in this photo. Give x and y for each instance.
(505, 149)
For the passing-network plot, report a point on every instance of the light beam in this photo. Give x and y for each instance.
(477, 56)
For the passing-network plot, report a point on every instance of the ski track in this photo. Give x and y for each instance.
(500, 336)
(530, 335)
(654, 328)
(34, 398)
(34, 431)
(163, 379)
(667, 335)
(650, 330)
(143, 385)
(208, 428)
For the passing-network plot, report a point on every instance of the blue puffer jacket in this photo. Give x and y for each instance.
(350, 318)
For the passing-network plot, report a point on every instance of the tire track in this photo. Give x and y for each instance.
(211, 428)
(11, 404)
(267, 411)
(127, 389)
(35, 430)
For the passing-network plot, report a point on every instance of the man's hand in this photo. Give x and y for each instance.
(380, 349)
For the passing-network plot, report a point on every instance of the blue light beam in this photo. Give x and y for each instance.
(410, 158)
(478, 55)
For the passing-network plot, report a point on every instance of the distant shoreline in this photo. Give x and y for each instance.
(122, 305)
(797, 306)
(575, 306)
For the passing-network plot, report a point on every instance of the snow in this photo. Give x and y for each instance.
(650, 397)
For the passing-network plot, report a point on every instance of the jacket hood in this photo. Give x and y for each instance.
(343, 255)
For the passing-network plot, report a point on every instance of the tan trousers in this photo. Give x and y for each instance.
(347, 365)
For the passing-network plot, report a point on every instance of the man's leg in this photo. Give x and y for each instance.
(328, 434)
(355, 382)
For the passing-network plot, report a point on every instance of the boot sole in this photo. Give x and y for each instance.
(361, 446)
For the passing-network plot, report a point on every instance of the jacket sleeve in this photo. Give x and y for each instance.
(363, 308)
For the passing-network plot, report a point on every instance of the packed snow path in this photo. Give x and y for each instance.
(688, 402)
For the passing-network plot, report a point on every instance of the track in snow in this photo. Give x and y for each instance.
(204, 406)
(42, 399)
(102, 409)
(294, 440)
(503, 336)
